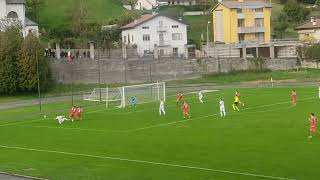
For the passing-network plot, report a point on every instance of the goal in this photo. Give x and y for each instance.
(144, 93)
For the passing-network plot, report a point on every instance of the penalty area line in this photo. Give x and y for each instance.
(146, 162)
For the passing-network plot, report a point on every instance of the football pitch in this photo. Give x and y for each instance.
(266, 139)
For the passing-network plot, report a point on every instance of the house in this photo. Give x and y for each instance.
(142, 5)
(309, 30)
(12, 12)
(183, 2)
(242, 21)
(155, 32)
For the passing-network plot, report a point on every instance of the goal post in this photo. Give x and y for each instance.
(121, 96)
(144, 93)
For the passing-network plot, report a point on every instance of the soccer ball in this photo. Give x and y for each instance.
(45, 116)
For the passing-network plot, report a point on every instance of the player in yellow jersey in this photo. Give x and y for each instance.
(236, 103)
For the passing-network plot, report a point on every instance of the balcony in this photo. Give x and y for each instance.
(241, 15)
(258, 15)
(163, 43)
(162, 28)
(251, 29)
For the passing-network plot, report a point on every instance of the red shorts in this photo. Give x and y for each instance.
(186, 111)
(313, 129)
(294, 99)
(72, 115)
(78, 114)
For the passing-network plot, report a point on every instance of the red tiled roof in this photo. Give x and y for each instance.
(139, 21)
(309, 25)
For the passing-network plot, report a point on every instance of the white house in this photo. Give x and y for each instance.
(309, 30)
(156, 32)
(143, 5)
(12, 12)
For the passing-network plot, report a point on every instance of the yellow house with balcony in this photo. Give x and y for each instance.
(242, 21)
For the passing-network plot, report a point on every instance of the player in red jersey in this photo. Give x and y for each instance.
(79, 113)
(179, 98)
(185, 108)
(294, 97)
(313, 125)
(72, 112)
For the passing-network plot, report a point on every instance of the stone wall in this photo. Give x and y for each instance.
(121, 71)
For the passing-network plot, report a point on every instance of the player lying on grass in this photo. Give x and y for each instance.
(222, 108)
(179, 98)
(200, 96)
(236, 103)
(161, 107)
(294, 97)
(185, 109)
(61, 119)
(313, 126)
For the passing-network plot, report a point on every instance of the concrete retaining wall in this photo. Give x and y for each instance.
(121, 71)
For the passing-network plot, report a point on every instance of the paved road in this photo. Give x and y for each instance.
(171, 88)
(16, 177)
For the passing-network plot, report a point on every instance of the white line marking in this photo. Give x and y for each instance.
(18, 123)
(146, 162)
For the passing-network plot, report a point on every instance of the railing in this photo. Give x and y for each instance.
(241, 16)
(258, 15)
(250, 29)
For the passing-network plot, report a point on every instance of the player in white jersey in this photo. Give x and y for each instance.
(61, 119)
(161, 108)
(200, 96)
(222, 108)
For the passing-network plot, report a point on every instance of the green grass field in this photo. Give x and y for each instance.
(55, 13)
(267, 139)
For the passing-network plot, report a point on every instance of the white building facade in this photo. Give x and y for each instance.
(12, 12)
(143, 5)
(155, 32)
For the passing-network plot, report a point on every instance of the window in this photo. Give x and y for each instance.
(240, 22)
(145, 27)
(175, 26)
(124, 39)
(258, 10)
(239, 10)
(12, 14)
(260, 37)
(146, 37)
(175, 51)
(176, 36)
(259, 22)
(241, 37)
(161, 23)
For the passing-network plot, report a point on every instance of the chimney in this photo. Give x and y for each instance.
(135, 21)
(314, 23)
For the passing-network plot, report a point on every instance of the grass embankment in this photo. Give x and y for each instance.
(56, 13)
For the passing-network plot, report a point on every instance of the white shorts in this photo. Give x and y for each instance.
(222, 109)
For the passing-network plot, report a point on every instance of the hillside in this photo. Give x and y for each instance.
(54, 13)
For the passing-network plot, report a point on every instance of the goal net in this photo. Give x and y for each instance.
(121, 96)
(143, 93)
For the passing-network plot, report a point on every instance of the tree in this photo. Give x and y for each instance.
(295, 12)
(30, 55)
(79, 15)
(317, 3)
(33, 8)
(312, 53)
(107, 38)
(10, 43)
(282, 24)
